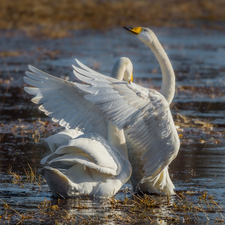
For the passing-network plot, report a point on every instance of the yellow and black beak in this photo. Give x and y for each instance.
(134, 30)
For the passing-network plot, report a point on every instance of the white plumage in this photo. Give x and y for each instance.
(94, 166)
(144, 113)
(64, 102)
(146, 116)
(161, 183)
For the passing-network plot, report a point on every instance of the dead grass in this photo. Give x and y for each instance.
(194, 130)
(31, 177)
(16, 178)
(28, 131)
(9, 54)
(139, 209)
(189, 207)
(54, 19)
(192, 91)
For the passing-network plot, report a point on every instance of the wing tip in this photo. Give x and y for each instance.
(77, 61)
(25, 78)
(74, 67)
(26, 89)
(30, 67)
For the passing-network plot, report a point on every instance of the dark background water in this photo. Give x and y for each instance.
(197, 57)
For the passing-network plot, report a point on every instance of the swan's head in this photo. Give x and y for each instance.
(144, 34)
(128, 72)
(123, 69)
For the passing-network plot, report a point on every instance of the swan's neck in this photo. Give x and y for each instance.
(116, 137)
(119, 69)
(168, 77)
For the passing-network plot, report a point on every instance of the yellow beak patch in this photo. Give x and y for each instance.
(136, 30)
(131, 79)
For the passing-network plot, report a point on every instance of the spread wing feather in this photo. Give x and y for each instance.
(143, 112)
(64, 102)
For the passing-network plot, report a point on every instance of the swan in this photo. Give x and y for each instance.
(153, 142)
(94, 166)
(162, 183)
(144, 114)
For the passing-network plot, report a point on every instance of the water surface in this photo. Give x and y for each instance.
(198, 109)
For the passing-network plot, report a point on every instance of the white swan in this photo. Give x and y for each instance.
(144, 113)
(162, 183)
(96, 167)
(152, 138)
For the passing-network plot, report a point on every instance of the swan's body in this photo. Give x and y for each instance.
(162, 183)
(152, 138)
(95, 167)
(144, 113)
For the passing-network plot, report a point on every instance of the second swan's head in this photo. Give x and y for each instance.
(144, 34)
(123, 69)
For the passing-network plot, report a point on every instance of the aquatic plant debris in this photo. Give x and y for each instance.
(184, 207)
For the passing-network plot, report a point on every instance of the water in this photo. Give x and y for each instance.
(198, 60)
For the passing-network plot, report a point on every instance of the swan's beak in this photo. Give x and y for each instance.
(134, 30)
(131, 79)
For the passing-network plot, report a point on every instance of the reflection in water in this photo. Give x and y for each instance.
(201, 167)
(205, 160)
(104, 210)
(199, 69)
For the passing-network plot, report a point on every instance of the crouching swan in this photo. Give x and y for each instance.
(96, 167)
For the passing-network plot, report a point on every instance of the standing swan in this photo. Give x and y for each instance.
(95, 167)
(153, 141)
(162, 183)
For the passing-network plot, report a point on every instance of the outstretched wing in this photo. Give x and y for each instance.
(64, 102)
(143, 112)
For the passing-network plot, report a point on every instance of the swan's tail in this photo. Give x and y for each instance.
(162, 184)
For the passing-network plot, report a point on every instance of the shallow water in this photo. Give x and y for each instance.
(198, 60)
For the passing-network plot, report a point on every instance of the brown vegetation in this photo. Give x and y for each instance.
(56, 18)
(136, 210)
